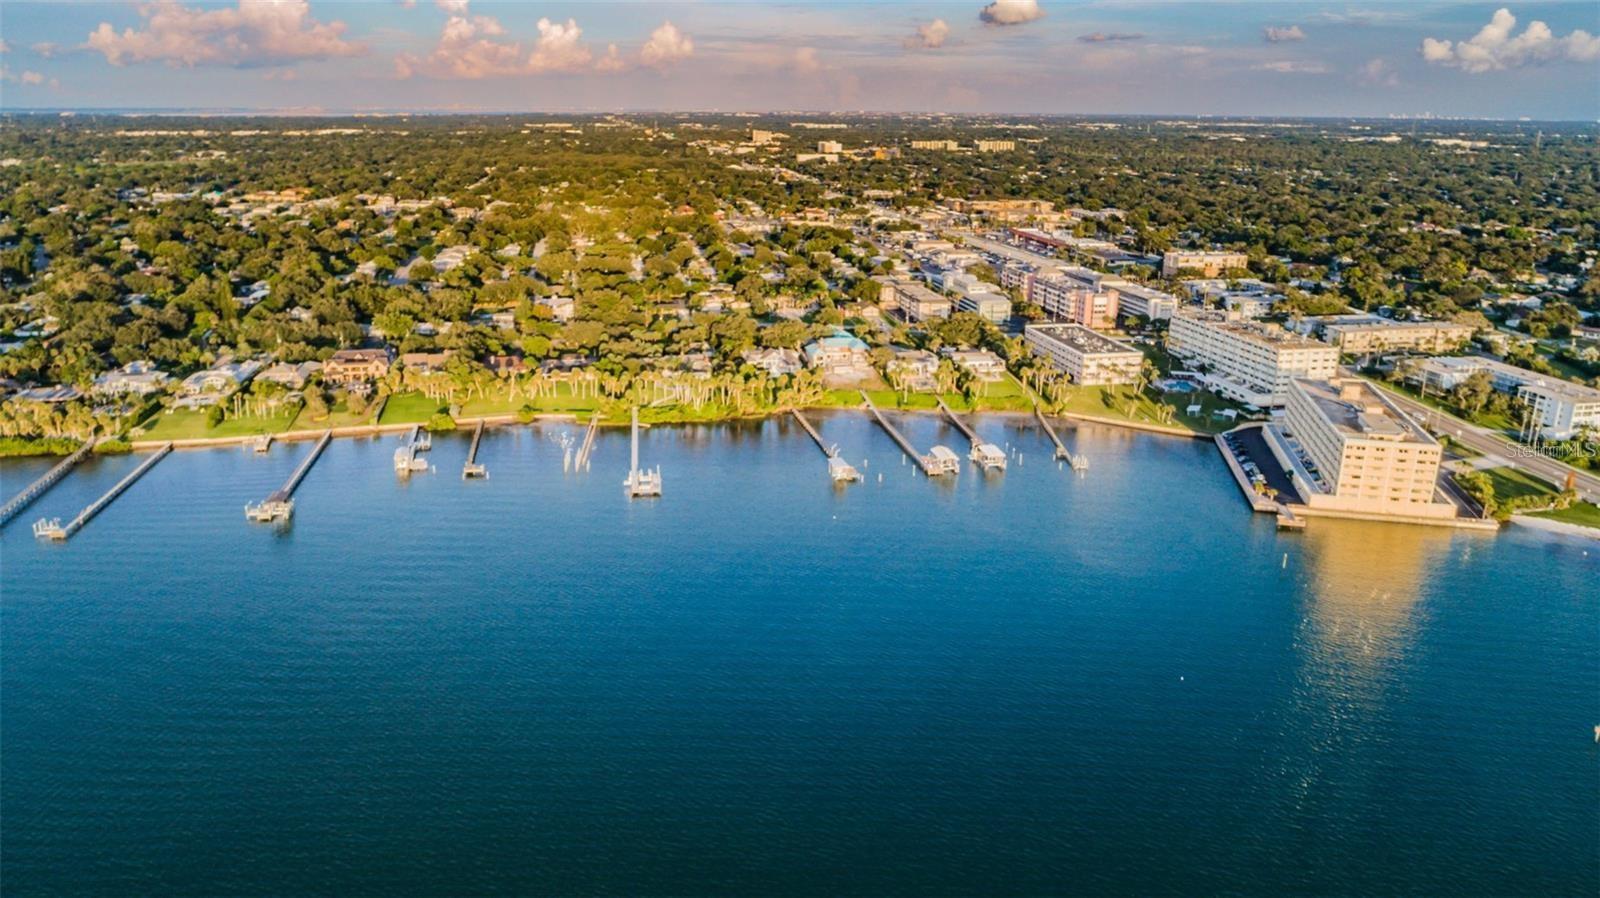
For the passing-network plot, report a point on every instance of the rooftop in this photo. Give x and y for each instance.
(1081, 338)
(1360, 411)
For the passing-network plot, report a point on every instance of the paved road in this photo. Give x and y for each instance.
(1485, 440)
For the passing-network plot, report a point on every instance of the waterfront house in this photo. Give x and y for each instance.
(914, 369)
(838, 351)
(981, 363)
(425, 362)
(348, 366)
(290, 375)
(776, 362)
(135, 378)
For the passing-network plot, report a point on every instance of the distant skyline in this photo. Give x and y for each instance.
(1538, 60)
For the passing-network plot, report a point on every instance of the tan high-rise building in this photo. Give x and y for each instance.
(1365, 455)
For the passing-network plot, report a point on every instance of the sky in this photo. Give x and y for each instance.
(1503, 59)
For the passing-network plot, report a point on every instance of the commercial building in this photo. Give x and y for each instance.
(1003, 210)
(1210, 264)
(1248, 361)
(1083, 355)
(935, 145)
(1348, 448)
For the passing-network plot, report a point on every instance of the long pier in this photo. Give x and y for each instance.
(839, 469)
(52, 529)
(472, 468)
(933, 464)
(987, 455)
(1078, 462)
(279, 505)
(43, 483)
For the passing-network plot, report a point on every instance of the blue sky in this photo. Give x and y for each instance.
(1501, 60)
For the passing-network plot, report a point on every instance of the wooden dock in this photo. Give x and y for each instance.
(840, 470)
(933, 464)
(472, 468)
(987, 455)
(641, 484)
(587, 448)
(1078, 462)
(279, 505)
(52, 528)
(42, 484)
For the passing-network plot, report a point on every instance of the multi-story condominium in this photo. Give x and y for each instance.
(1209, 263)
(915, 302)
(1384, 335)
(1448, 372)
(1083, 355)
(995, 146)
(1350, 449)
(1561, 409)
(762, 138)
(992, 307)
(1153, 305)
(1248, 361)
(935, 145)
(1068, 300)
(830, 146)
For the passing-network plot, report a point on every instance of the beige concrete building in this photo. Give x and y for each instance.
(1349, 449)
(1417, 336)
(995, 146)
(1210, 264)
(1083, 355)
(1248, 361)
(935, 145)
(915, 302)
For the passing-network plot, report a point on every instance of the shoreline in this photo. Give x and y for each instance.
(364, 430)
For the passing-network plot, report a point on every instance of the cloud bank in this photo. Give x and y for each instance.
(930, 36)
(256, 32)
(1275, 35)
(1494, 48)
(1010, 12)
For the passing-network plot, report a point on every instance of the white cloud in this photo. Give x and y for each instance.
(1101, 37)
(1495, 48)
(929, 36)
(1377, 73)
(612, 61)
(666, 46)
(1274, 35)
(557, 49)
(26, 77)
(1292, 67)
(256, 32)
(805, 61)
(453, 7)
(472, 47)
(46, 49)
(1010, 12)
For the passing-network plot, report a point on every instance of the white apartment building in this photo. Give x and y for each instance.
(935, 145)
(1210, 263)
(1357, 452)
(995, 146)
(915, 302)
(1248, 361)
(1153, 305)
(1561, 409)
(992, 307)
(1083, 355)
(830, 146)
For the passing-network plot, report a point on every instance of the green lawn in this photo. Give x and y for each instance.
(1113, 402)
(1510, 483)
(410, 408)
(190, 424)
(1584, 514)
(338, 416)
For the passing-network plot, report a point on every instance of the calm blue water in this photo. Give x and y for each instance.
(761, 684)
